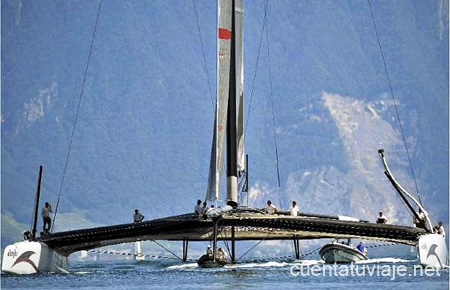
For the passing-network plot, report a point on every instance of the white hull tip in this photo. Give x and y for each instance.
(29, 257)
(432, 251)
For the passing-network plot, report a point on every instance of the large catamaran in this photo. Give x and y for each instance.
(231, 221)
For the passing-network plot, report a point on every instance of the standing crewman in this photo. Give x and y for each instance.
(294, 210)
(45, 213)
(137, 217)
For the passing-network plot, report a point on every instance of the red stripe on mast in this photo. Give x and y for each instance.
(224, 33)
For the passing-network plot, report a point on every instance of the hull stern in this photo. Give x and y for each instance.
(29, 257)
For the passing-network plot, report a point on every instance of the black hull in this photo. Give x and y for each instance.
(206, 261)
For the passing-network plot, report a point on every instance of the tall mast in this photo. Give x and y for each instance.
(36, 205)
(231, 121)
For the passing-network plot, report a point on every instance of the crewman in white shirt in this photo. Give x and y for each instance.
(137, 217)
(271, 209)
(294, 210)
(198, 208)
(381, 218)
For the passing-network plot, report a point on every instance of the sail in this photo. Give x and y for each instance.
(212, 192)
(239, 15)
(220, 123)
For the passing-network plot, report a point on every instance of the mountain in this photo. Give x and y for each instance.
(144, 128)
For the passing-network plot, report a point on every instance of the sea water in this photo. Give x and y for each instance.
(171, 274)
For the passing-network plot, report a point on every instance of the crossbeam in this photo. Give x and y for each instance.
(247, 226)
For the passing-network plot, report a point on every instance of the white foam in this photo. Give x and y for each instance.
(82, 273)
(385, 260)
(184, 266)
(258, 265)
(309, 262)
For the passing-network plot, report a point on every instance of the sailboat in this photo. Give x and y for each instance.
(49, 253)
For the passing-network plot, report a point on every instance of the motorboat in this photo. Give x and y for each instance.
(341, 252)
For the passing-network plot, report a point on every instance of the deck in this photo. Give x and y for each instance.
(248, 226)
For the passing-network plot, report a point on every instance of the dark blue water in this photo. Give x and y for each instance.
(165, 274)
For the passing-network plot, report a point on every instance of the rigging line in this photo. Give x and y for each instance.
(313, 252)
(166, 249)
(256, 66)
(77, 112)
(251, 248)
(223, 232)
(393, 98)
(204, 57)
(273, 116)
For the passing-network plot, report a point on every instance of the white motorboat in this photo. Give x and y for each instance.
(336, 252)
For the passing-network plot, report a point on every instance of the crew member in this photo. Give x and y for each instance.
(27, 235)
(381, 218)
(420, 223)
(440, 229)
(209, 251)
(294, 210)
(362, 248)
(45, 213)
(271, 209)
(205, 208)
(221, 255)
(198, 207)
(137, 217)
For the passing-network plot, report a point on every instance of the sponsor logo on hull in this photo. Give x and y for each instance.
(432, 252)
(25, 258)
